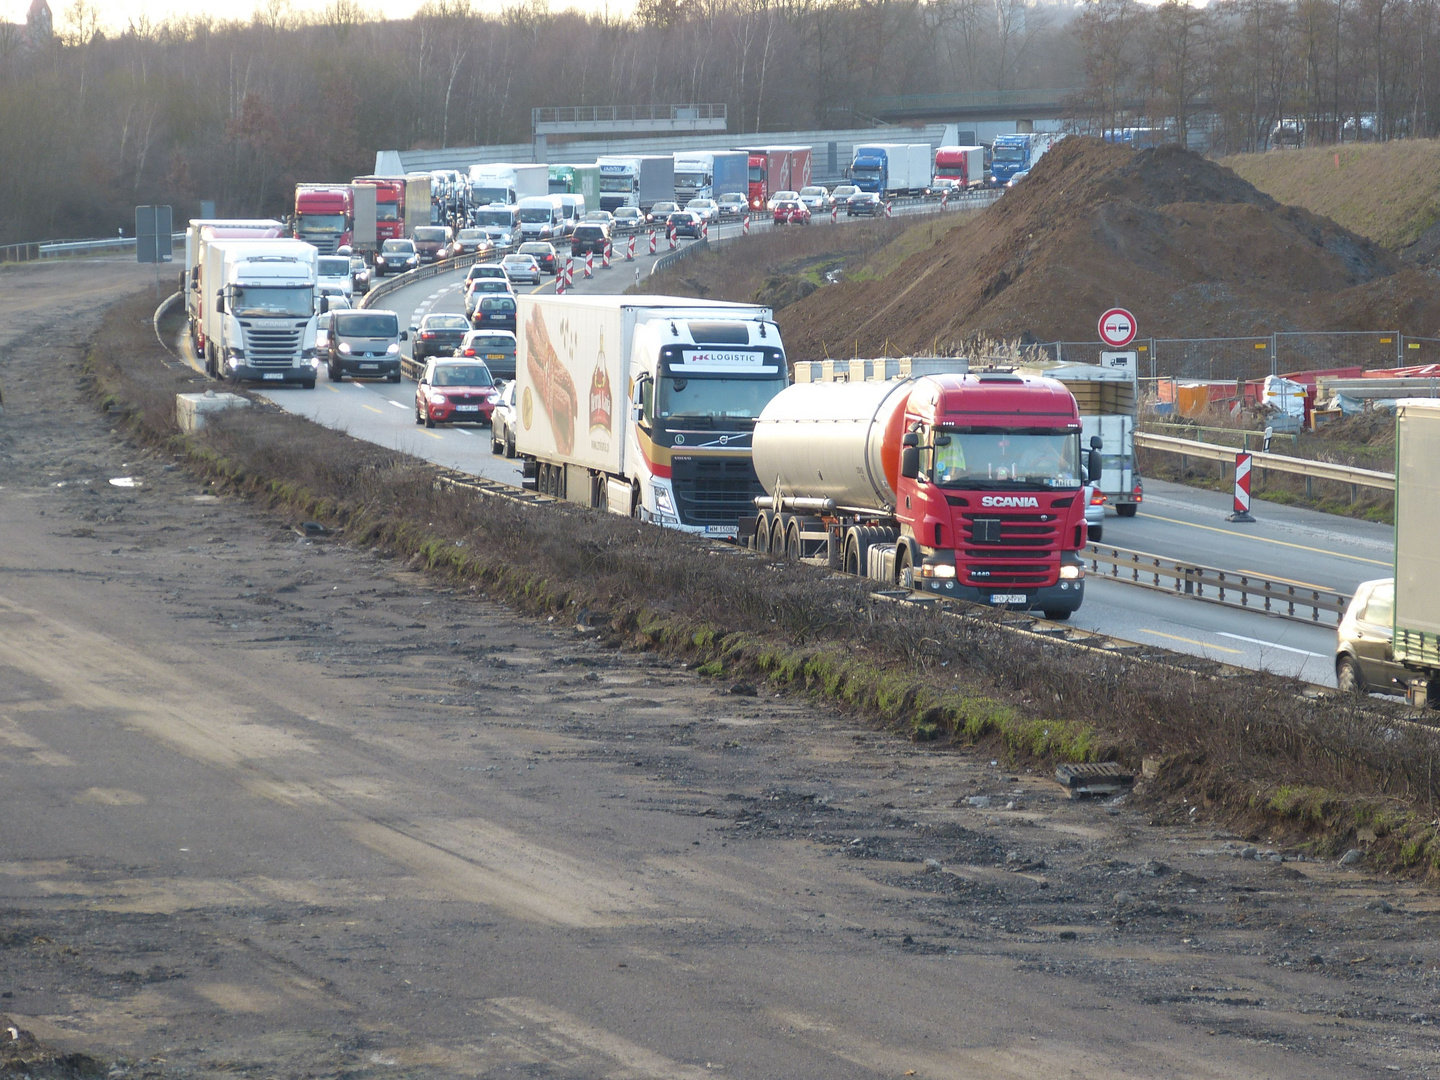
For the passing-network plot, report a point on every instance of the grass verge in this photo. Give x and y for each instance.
(1235, 746)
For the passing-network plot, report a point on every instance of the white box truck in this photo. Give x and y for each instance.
(645, 405)
(507, 183)
(891, 168)
(258, 310)
(201, 231)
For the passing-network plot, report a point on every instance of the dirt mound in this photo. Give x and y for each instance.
(1186, 244)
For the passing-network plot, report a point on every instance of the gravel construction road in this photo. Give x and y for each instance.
(273, 807)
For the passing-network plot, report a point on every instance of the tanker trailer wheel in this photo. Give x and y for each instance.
(793, 547)
(777, 536)
(761, 540)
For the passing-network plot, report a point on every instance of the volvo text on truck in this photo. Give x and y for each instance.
(710, 174)
(890, 169)
(507, 183)
(964, 486)
(192, 279)
(964, 166)
(776, 168)
(644, 405)
(258, 310)
(636, 180)
(324, 216)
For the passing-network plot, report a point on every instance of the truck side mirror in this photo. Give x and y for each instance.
(910, 461)
(1097, 443)
(910, 438)
(404, 335)
(220, 302)
(1093, 465)
(324, 303)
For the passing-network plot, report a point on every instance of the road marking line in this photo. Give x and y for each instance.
(430, 433)
(1191, 641)
(372, 408)
(1267, 540)
(463, 431)
(1287, 581)
(397, 404)
(1271, 644)
(332, 388)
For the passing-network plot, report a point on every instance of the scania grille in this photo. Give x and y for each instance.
(271, 348)
(714, 491)
(1007, 548)
(324, 243)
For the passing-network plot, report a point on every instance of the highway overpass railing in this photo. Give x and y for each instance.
(1252, 592)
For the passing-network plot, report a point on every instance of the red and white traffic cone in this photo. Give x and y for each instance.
(745, 226)
(652, 241)
(605, 257)
(1242, 490)
(589, 264)
(630, 249)
(889, 206)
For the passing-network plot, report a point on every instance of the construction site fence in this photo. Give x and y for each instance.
(1224, 359)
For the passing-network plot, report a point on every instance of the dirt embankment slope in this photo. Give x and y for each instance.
(1389, 192)
(1190, 247)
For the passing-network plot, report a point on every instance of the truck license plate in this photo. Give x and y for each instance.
(272, 375)
(1008, 598)
(722, 530)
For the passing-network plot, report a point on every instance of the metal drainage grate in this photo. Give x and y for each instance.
(1099, 778)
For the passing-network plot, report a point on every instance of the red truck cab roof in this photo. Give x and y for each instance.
(993, 399)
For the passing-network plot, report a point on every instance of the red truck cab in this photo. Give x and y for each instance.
(988, 490)
(324, 216)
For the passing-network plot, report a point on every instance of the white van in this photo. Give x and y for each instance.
(542, 217)
(574, 209)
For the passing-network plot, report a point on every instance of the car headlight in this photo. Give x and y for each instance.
(345, 347)
(436, 398)
(392, 348)
(1071, 572)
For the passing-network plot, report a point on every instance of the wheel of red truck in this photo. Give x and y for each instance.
(1126, 510)
(904, 571)
(850, 562)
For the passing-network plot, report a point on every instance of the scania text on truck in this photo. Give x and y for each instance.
(644, 405)
(507, 183)
(259, 310)
(776, 168)
(389, 206)
(964, 486)
(324, 216)
(192, 281)
(964, 166)
(710, 174)
(890, 169)
(636, 180)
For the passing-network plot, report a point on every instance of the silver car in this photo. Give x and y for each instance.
(502, 422)
(522, 268)
(1364, 642)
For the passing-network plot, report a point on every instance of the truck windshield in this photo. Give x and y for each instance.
(710, 402)
(483, 195)
(984, 459)
(387, 211)
(322, 223)
(865, 172)
(1009, 153)
(691, 180)
(614, 183)
(271, 302)
(757, 173)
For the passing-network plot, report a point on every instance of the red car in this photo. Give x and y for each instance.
(789, 212)
(455, 391)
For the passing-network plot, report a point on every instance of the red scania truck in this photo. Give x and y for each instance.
(324, 216)
(965, 486)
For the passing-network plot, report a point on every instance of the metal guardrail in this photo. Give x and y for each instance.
(48, 249)
(1312, 470)
(669, 259)
(1251, 592)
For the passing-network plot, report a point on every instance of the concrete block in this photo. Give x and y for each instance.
(191, 409)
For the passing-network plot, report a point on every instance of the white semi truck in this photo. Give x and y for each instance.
(636, 180)
(507, 184)
(200, 232)
(645, 405)
(258, 319)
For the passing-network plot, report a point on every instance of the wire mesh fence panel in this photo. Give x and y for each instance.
(1366, 350)
(1417, 351)
(1212, 359)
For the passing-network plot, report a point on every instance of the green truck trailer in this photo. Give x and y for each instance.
(577, 180)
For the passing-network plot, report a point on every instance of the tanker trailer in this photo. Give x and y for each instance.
(965, 486)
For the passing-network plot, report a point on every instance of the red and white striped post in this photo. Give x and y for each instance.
(630, 249)
(834, 213)
(569, 272)
(889, 206)
(605, 258)
(1242, 489)
(652, 241)
(560, 283)
(745, 226)
(589, 264)
(705, 229)
(674, 242)
(944, 198)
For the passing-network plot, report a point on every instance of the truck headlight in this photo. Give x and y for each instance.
(664, 504)
(1071, 572)
(941, 570)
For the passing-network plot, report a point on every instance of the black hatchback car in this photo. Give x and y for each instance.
(439, 335)
(683, 223)
(589, 238)
(496, 312)
(862, 202)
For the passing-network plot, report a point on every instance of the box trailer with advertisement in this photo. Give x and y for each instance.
(644, 405)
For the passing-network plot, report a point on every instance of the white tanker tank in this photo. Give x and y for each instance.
(822, 446)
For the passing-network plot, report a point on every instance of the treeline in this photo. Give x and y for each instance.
(196, 109)
(1261, 73)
